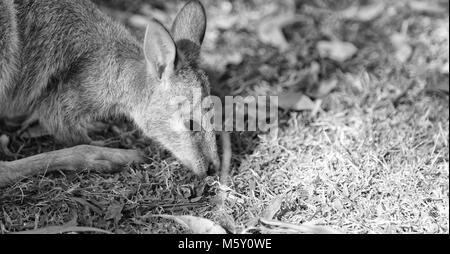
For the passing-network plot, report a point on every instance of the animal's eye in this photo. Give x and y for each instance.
(192, 125)
(209, 109)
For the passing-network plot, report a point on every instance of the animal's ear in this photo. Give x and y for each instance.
(189, 28)
(159, 50)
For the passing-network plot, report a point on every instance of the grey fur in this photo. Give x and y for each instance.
(66, 63)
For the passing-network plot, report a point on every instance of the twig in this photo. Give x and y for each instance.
(70, 226)
(397, 100)
(61, 230)
(304, 228)
(226, 157)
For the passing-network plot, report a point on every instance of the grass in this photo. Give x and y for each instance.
(373, 159)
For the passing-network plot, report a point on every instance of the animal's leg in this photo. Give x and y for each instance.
(76, 158)
(64, 129)
(29, 121)
(35, 131)
(31, 128)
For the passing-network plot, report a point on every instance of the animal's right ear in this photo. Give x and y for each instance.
(188, 30)
(159, 50)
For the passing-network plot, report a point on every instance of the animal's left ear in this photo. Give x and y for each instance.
(159, 50)
(188, 29)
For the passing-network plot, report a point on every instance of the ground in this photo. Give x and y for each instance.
(371, 156)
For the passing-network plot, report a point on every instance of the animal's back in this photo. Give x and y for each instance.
(56, 43)
(8, 47)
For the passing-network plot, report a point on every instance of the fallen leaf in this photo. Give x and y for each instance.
(155, 13)
(226, 157)
(87, 204)
(445, 68)
(272, 208)
(270, 30)
(70, 226)
(114, 211)
(426, 7)
(138, 21)
(364, 13)
(221, 60)
(226, 220)
(336, 50)
(52, 230)
(196, 224)
(438, 83)
(224, 22)
(317, 107)
(402, 49)
(197, 199)
(358, 82)
(295, 101)
(337, 204)
(303, 228)
(323, 89)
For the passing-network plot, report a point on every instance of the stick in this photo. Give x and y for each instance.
(226, 157)
(399, 97)
(304, 228)
(61, 230)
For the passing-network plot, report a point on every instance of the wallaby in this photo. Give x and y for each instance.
(66, 64)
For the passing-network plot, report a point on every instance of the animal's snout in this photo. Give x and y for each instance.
(204, 165)
(213, 166)
(192, 125)
(206, 168)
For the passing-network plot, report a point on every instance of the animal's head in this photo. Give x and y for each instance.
(171, 64)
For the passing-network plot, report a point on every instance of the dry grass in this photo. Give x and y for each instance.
(373, 159)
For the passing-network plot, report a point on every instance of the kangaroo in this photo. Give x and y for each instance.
(65, 64)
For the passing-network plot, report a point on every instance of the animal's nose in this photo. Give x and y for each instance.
(192, 125)
(214, 167)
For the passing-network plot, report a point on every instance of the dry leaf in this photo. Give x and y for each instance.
(445, 68)
(443, 87)
(196, 224)
(438, 84)
(273, 208)
(337, 204)
(325, 87)
(221, 60)
(52, 230)
(70, 226)
(317, 107)
(364, 13)
(402, 49)
(295, 101)
(114, 211)
(87, 204)
(155, 13)
(426, 7)
(358, 82)
(226, 157)
(224, 22)
(270, 30)
(226, 220)
(304, 228)
(138, 21)
(336, 50)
